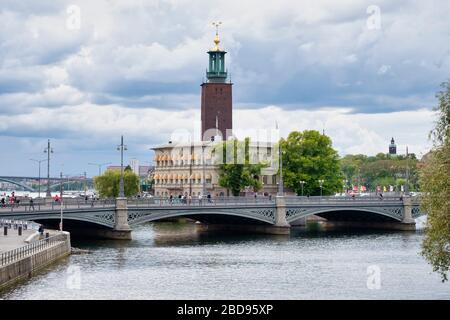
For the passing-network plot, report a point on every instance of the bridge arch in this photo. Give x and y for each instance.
(27, 188)
(394, 213)
(66, 182)
(261, 215)
(103, 218)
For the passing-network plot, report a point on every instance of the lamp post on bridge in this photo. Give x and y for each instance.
(203, 170)
(48, 150)
(280, 184)
(61, 201)
(344, 182)
(407, 172)
(121, 148)
(39, 177)
(321, 186)
(302, 183)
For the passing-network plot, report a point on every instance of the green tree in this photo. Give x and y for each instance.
(107, 185)
(235, 170)
(381, 170)
(309, 156)
(435, 183)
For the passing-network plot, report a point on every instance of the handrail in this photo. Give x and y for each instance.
(18, 253)
(74, 204)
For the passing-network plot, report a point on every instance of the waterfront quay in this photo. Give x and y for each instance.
(23, 251)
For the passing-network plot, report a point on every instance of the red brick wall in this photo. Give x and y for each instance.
(216, 100)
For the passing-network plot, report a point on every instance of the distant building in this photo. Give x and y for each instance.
(392, 147)
(134, 164)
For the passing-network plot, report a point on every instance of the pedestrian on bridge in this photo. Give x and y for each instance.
(3, 203)
(31, 203)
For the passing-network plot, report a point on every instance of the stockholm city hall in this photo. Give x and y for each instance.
(189, 169)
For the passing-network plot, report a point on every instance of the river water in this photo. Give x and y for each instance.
(173, 261)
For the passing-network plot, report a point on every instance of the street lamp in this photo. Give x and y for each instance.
(302, 183)
(321, 186)
(48, 150)
(407, 172)
(344, 182)
(39, 178)
(100, 165)
(203, 170)
(280, 185)
(121, 148)
(61, 202)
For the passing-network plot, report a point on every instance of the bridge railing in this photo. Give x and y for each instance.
(340, 200)
(42, 205)
(215, 201)
(19, 253)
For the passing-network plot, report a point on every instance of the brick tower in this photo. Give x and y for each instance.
(217, 106)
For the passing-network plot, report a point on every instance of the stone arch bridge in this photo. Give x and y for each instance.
(116, 218)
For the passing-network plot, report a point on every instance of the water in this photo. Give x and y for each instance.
(171, 261)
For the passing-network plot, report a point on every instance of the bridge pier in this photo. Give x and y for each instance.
(281, 225)
(408, 223)
(122, 230)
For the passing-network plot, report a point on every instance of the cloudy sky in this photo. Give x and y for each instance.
(84, 72)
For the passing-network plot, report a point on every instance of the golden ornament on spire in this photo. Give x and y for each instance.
(216, 39)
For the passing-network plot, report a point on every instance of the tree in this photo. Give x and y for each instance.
(107, 185)
(235, 170)
(381, 170)
(435, 183)
(309, 156)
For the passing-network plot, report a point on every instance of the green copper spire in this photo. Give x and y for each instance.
(216, 71)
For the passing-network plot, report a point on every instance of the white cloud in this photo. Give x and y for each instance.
(351, 133)
(151, 55)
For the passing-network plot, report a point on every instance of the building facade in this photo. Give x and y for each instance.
(193, 169)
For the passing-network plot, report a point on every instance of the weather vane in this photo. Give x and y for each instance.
(217, 24)
(216, 39)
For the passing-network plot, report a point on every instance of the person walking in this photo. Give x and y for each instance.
(31, 204)
(41, 231)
